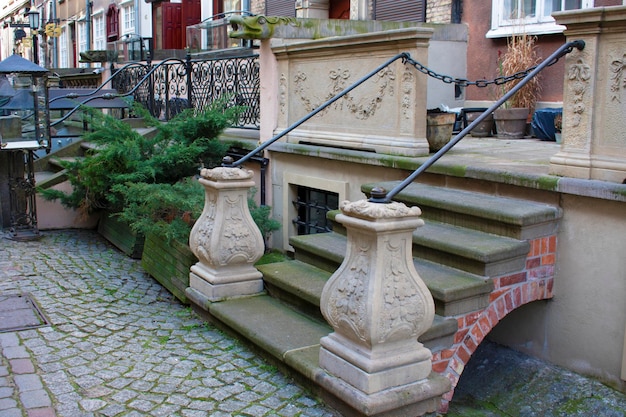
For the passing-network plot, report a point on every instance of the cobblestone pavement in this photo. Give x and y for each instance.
(118, 344)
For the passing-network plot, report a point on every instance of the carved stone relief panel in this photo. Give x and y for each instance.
(614, 106)
(577, 101)
(369, 106)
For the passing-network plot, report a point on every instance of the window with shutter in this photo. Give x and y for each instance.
(400, 10)
(280, 8)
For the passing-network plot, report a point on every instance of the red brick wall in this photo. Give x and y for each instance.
(511, 291)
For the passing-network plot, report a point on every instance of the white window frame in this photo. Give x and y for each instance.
(63, 50)
(542, 23)
(99, 33)
(129, 18)
(82, 41)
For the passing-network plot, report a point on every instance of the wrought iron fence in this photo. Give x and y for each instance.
(168, 87)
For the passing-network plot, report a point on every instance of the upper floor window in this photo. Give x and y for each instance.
(530, 16)
(128, 19)
(64, 61)
(113, 23)
(98, 32)
(82, 40)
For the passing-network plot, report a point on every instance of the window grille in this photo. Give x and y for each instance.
(312, 205)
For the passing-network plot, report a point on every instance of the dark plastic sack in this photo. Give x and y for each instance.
(542, 123)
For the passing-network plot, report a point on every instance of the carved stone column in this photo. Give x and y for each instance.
(225, 239)
(594, 96)
(378, 306)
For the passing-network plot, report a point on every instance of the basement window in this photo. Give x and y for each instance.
(312, 205)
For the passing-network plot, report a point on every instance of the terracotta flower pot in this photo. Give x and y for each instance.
(511, 123)
(439, 127)
(482, 129)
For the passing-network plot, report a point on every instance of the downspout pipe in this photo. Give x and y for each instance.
(88, 5)
(55, 40)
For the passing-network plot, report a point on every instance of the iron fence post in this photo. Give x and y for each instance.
(189, 69)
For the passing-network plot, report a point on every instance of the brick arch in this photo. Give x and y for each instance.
(534, 283)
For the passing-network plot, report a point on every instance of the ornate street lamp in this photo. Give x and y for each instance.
(33, 23)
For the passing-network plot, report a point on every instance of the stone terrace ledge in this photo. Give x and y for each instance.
(520, 162)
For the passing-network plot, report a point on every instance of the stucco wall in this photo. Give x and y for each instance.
(582, 328)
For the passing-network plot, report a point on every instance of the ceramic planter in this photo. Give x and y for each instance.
(482, 129)
(439, 127)
(511, 123)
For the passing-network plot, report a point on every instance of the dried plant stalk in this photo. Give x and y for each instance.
(521, 54)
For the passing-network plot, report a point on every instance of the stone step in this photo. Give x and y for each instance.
(469, 250)
(47, 179)
(58, 161)
(454, 291)
(505, 216)
(292, 337)
(300, 285)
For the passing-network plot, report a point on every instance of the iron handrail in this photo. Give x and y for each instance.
(110, 96)
(382, 196)
(73, 96)
(232, 164)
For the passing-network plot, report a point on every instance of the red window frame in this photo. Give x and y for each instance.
(113, 23)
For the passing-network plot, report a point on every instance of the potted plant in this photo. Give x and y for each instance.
(439, 127)
(512, 118)
(482, 129)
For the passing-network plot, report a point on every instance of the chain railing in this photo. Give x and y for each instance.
(383, 196)
(380, 195)
(503, 79)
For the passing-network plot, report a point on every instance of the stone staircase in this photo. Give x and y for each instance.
(479, 254)
(49, 170)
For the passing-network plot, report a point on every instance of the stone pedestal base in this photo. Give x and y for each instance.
(585, 166)
(218, 287)
(373, 371)
(225, 239)
(415, 399)
(378, 306)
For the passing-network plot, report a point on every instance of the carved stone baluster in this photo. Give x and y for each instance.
(378, 306)
(225, 239)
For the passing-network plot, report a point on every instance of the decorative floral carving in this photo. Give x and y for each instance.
(578, 76)
(224, 173)
(347, 304)
(408, 81)
(618, 77)
(339, 80)
(200, 236)
(404, 310)
(237, 239)
(283, 90)
(366, 209)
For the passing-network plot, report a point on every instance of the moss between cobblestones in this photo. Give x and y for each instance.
(501, 382)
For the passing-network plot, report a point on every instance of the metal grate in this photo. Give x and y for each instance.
(312, 205)
(19, 312)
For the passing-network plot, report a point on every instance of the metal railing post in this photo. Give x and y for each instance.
(189, 68)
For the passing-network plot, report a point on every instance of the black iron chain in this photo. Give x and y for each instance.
(462, 82)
